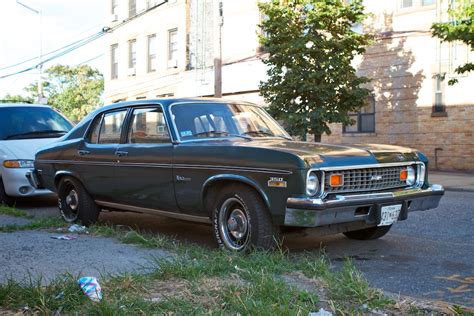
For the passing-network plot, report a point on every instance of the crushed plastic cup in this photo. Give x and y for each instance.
(77, 229)
(91, 287)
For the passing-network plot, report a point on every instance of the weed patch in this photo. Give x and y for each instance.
(10, 211)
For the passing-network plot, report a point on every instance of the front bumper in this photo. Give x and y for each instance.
(17, 185)
(308, 212)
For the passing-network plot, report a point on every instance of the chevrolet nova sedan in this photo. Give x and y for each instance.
(229, 164)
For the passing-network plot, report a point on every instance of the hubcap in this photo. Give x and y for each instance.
(234, 224)
(72, 200)
(237, 224)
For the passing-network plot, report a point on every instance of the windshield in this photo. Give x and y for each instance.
(209, 120)
(26, 122)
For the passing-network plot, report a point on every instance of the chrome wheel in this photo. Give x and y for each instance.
(69, 203)
(234, 224)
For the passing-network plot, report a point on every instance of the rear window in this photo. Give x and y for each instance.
(25, 122)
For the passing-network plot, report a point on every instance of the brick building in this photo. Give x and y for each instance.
(168, 48)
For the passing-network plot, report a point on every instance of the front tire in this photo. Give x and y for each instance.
(368, 233)
(75, 203)
(4, 198)
(242, 221)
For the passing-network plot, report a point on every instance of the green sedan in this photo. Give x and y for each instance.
(232, 165)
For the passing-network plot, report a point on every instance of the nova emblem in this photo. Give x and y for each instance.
(375, 178)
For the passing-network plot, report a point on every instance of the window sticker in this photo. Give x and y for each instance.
(186, 133)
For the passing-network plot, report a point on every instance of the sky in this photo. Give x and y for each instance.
(63, 22)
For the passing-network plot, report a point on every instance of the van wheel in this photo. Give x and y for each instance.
(4, 198)
(75, 203)
(242, 221)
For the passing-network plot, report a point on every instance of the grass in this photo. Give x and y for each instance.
(5, 210)
(198, 280)
(39, 223)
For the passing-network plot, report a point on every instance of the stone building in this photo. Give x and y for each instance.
(167, 48)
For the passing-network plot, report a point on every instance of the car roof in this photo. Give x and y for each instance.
(6, 105)
(168, 101)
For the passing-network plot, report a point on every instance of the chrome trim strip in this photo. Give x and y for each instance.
(364, 198)
(170, 113)
(379, 165)
(248, 169)
(154, 165)
(186, 217)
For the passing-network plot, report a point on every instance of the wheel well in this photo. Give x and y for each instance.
(58, 178)
(212, 190)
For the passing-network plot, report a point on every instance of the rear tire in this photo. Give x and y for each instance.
(242, 221)
(4, 198)
(75, 203)
(368, 233)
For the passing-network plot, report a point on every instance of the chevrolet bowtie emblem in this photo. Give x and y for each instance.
(376, 178)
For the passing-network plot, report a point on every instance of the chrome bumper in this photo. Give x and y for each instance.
(33, 179)
(308, 212)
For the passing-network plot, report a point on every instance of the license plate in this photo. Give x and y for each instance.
(389, 214)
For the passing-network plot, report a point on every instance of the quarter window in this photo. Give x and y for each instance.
(111, 127)
(364, 120)
(148, 126)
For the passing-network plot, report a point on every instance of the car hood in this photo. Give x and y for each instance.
(339, 155)
(23, 148)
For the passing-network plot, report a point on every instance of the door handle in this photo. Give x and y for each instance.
(83, 152)
(121, 153)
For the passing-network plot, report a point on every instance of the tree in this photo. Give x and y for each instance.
(8, 98)
(311, 82)
(73, 90)
(460, 29)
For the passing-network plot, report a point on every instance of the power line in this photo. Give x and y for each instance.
(78, 44)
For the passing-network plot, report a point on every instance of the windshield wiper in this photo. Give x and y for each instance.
(35, 133)
(260, 132)
(219, 133)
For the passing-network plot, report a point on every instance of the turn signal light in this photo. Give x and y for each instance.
(11, 164)
(336, 180)
(403, 175)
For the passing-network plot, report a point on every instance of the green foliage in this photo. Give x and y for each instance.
(8, 98)
(73, 90)
(311, 45)
(461, 28)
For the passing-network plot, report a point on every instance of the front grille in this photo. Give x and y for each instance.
(370, 179)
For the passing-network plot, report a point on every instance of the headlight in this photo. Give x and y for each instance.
(19, 164)
(312, 184)
(411, 176)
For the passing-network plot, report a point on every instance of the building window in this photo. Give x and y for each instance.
(172, 48)
(152, 53)
(406, 3)
(132, 8)
(114, 6)
(438, 105)
(364, 120)
(132, 55)
(428, 2)
(114, 61)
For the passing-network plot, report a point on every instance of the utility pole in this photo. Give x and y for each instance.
(41, 98)
(218, 59)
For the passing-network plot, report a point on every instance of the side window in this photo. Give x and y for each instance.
(148, 126)
(111, 127)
